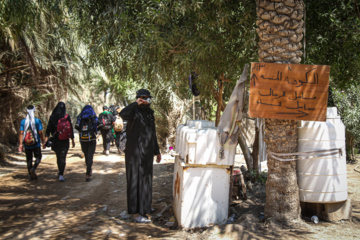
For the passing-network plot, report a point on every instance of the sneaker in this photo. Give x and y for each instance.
(107, 152)
(142, 219)
(61, 178)
(87, 178)
(33, 174)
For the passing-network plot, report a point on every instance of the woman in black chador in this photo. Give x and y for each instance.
(60, 143)
(141, 146)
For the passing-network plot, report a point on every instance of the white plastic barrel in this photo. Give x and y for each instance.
(322, 179)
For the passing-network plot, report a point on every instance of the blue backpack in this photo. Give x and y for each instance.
(86, 124)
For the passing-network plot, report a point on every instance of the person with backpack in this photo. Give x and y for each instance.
(106, 121)
(29, 138)
(118, 130)
(86, 124)
(61, 130)
(141, 147)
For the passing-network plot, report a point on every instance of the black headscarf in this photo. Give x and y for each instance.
(58, 112)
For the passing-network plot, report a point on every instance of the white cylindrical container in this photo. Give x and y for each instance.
(322, 179)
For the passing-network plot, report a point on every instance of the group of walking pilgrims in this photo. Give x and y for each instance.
(133, 128)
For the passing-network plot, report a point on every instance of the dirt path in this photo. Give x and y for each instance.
(75, 209)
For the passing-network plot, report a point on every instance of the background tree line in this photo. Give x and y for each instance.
(82, 51)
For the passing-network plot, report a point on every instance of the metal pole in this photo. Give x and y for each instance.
(193, 107)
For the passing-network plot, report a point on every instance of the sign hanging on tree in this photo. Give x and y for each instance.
(289, 91)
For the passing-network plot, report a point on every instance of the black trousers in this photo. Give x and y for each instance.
(30, 153)
(117, 139)
(106, 135)
(88, 149)
(61, 147)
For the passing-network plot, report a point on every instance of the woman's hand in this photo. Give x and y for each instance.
(158, 158)
(44, 142)
(140, 101)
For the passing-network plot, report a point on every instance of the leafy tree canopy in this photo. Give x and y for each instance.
(333, 38)
(151, 40)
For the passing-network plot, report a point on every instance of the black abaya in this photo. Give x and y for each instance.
(141, 146)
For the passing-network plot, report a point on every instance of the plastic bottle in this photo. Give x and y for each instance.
(315, 219)
(231, 219)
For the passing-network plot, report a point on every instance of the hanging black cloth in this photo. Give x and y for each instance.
(192, 84)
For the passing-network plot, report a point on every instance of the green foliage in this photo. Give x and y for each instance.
(333, 38)
(258, 177)
(154, 41)
(40, 61)
(348, 104)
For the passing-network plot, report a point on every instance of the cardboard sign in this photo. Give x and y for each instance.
(289, 91)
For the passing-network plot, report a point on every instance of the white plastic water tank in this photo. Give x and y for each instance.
(322, 179)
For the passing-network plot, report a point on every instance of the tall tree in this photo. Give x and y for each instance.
(39, 63)
(155, 41)
(280, 29)
(333, 38)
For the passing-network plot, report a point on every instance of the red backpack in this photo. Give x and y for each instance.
(29, 138)
(64, 128)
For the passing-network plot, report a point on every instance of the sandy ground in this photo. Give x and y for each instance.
(75, 209)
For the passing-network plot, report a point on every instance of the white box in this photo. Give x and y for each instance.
(202, 146)
(201, 194)
(198, 124)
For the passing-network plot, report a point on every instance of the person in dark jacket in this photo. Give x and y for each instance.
(141, 146)
(86, 124)
(106, 121)
(60, 147)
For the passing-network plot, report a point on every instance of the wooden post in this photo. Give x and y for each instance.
(193, 103)
(220, 92)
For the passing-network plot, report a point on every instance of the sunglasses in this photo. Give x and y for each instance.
(144, 97)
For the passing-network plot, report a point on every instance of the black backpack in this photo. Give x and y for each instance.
(106, 121)
(86, 129)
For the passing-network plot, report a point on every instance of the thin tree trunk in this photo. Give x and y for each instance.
(255, 152)
(246, 151)
(218, 111)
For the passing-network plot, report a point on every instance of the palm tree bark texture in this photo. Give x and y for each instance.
(280, 29)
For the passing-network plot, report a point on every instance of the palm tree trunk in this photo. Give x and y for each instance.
(280, 28)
